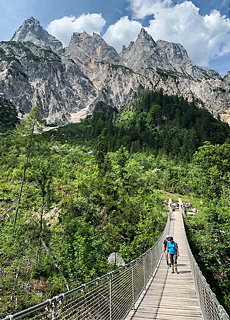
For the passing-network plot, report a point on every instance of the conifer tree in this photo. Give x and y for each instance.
(33, 123)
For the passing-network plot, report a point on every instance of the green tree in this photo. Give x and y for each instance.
(122, 157)
(154, 116)
(8, 116)
(175, 147)
(214, 163)
(43, 176)
(27, 128)
(99, 152)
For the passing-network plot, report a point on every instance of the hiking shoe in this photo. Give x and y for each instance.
(172, 271)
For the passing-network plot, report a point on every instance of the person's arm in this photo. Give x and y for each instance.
(177, 250)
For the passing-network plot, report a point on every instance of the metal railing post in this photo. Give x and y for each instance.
(151, 260)
(52, 307)
(170, 206)
(133, 288)
(181, 209)
(110, 296)
(144, 269)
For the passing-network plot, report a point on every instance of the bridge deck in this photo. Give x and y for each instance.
(171, 296)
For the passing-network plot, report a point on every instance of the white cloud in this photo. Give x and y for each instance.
(143, 8)
(204, 37)
(63, 28)
(122, 32)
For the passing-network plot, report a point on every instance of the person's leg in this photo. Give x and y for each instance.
(172, 262)
(166, 257)
(175, 264)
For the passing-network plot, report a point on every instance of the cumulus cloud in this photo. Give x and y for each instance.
(143, 8)
(122, 32)
(63, 28)
(204, 37)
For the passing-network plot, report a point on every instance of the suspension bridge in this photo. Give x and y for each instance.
(143, 289)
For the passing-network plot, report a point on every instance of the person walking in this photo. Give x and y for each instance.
(172, 249)
(164, 248)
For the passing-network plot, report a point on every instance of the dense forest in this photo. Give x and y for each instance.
(72, 195)
(153, 123)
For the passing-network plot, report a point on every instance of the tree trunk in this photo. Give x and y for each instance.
(23, 178)
(56, 265)
(40, 231)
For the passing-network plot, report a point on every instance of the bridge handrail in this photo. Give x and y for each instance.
(210, 306)
(109, 297)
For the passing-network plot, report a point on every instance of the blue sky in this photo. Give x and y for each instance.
(201, 26)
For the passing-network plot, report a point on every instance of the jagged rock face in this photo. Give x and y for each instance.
(87, 47)
(31, 31)
(30, 76)
(145, 53)
(214, 95)
(179, 59)
(90, 52)
(69, 82)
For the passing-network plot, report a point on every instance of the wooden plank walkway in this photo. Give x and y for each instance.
(171, 296)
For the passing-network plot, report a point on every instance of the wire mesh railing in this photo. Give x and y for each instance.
(109, 297)
(210, 306)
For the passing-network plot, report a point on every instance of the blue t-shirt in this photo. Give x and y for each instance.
(171, 247)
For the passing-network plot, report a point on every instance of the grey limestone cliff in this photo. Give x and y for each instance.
(31, 31)
(144, 53)
(179, 59)
(89, 48)
(90, 52)
(31, 75)
(34, 69)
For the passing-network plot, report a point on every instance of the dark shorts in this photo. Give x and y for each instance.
(173, 258)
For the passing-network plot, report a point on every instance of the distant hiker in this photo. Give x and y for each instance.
(164, 249)
(173, 250)
(170, 191)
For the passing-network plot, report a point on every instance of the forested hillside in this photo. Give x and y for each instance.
(100, 186)
(154, 123)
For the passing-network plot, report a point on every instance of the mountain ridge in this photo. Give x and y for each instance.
(65, 81)
(31, 30)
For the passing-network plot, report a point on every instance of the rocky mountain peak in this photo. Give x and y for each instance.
(32, 31)
(174, 51)
(77, 37)
(87, 48)
(145, 37)
(178, 57)
(145, 53)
